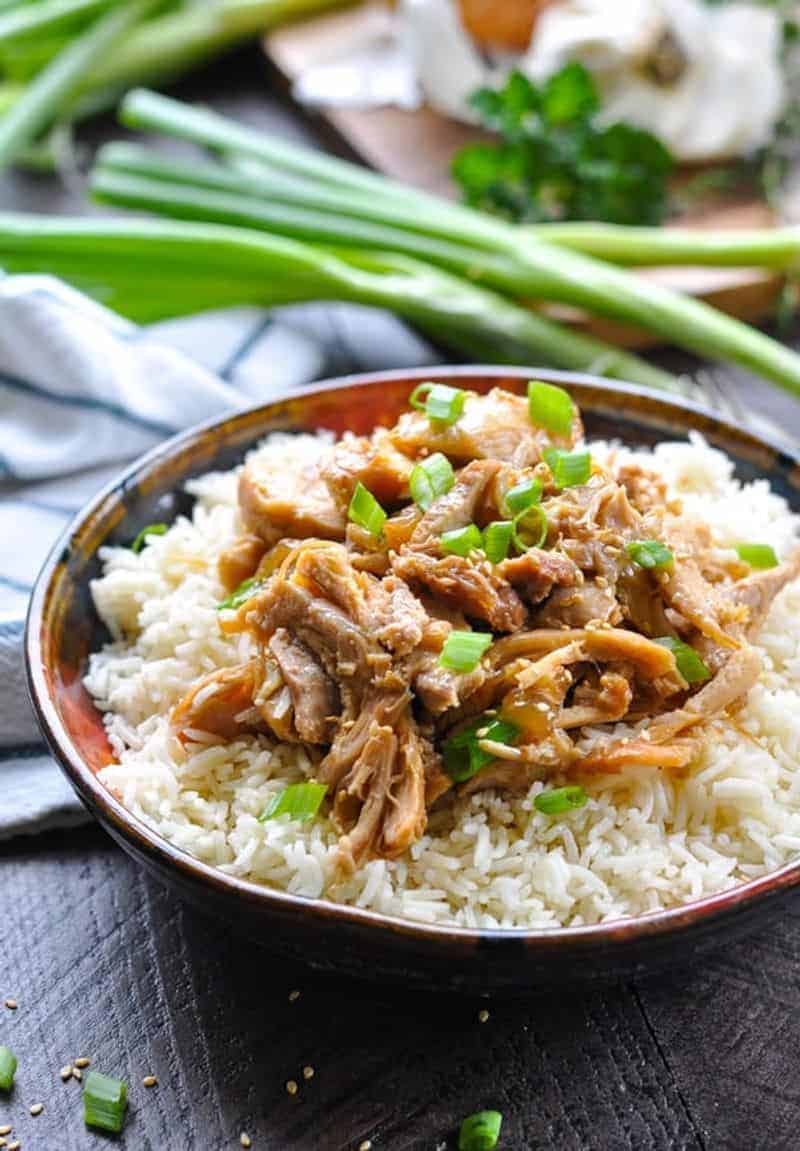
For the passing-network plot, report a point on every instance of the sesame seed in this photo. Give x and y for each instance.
(37, 1109)
(77, 1073)
(291, 1087)
(66, 1072)
(3, 1143)
(308, 1072)
(12, 1004)
(15, 1146)
(5, 1130)
(365, 1146)
(82, 1062)
(149, 1081)
(245, 1140)
(483, 1016)
(294, 996)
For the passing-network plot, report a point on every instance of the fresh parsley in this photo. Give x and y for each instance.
(554, 161)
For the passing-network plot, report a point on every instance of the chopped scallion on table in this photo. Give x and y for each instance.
(150, 530)
(300, 801)
(650, 554)
(365, 510)
(462, 650)
(522, 495)
(104, 1102)
(463, 754)
(461, 541)
(497, 540)
(242, 594)
(688, 662)
(570, 469)
(431, 479)
(760, 556)
(480, 1132)
(529, 528)
(439, 402)
(550, 408)
(560, 799)
(8, 1067)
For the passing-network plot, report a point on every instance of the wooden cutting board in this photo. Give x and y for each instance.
(417, 146)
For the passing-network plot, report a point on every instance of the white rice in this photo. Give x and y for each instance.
(644, 840)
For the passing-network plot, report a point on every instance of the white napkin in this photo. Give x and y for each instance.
(81, 393)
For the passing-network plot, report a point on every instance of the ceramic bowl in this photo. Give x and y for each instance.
(63, 629)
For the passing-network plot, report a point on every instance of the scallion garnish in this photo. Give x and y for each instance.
(439, 402)
(365, 510)
(480, 1132)
(497, 540)
(242, 594)
(462, 650)
(462, 541)
(760, 556)
(529, 528)
(463, 754)
(550, 408)
(431, 479)
(650, 554)
(522, 495)
(688, 662)
(104, 1102)
(569, 468)
(560, 799)
(150, 530)
(300, 801)
(8, 1067)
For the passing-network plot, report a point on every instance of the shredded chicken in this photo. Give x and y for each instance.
(350, 630)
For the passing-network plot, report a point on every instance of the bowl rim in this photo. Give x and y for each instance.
(617, 932)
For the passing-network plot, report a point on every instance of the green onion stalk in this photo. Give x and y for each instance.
(44, 99)
(541, 270)
(150, 270)
(777, 248)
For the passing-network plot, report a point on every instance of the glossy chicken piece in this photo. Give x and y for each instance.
(756, 592)
(288, 500)
(640, 753)
(222, 703)
(507, 25)
(314, 696)
(536, 572)
(456, 508)
(473, 587)
(495, 426)
(575, 607)
(240, 560)
(370, 460)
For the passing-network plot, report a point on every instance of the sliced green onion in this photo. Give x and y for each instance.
(688, 662)
(8, 1067)
(480, 1132)
(462, 650)
(550, 408)
(463, 754)
(650, 554)
(760, 556)
(560, 799)
(104, 1102)
(497, 540)
(529, 528)
(150, 530)
(365, 510)
(242, 594)
(431, 479)
(569, 468)
(522, 495)
(299, 801)
(462, 541)
(439, 402)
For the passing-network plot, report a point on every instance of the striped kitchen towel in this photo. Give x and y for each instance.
(81, 392)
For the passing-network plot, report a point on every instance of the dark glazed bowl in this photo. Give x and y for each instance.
(63, 629)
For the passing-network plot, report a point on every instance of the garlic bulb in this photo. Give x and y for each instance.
(706, 80)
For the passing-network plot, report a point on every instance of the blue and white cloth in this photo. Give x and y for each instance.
(81, 393)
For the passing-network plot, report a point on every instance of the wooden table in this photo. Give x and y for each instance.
(105, 963)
